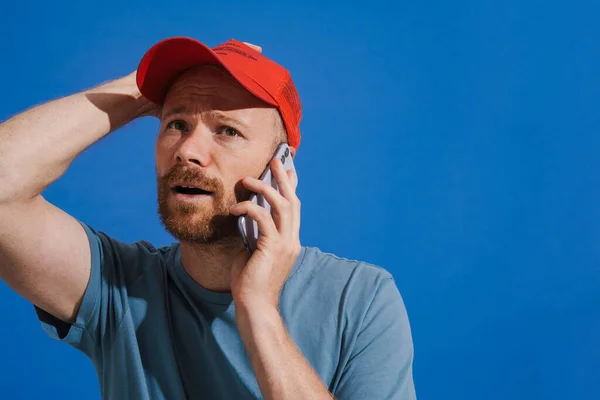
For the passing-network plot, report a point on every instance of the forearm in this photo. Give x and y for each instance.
(281, 370)
(38, 145)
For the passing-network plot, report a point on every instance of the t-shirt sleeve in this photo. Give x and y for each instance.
(104, 303)
(380, 364)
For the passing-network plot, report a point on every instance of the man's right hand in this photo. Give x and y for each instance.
(150, 109)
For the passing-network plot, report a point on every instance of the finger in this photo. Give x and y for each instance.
(287, 182)
(286, 186)
(291, 173)
(297, 204)
(261, 215)
(253, 46)
(282, 209)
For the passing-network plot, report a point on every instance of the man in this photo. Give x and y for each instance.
(199, 319)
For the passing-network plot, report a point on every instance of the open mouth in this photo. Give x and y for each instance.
(190, 190)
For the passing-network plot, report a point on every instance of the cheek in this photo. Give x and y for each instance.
(243, 169)
(161, 165)
(240, 170)
(163, 153)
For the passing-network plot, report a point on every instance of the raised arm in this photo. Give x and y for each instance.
(44, 252)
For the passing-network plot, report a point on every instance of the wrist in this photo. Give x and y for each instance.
(131, 103)
(125, 85)
(256, 313)
(258, 324)
(129, 84)
(255, 304)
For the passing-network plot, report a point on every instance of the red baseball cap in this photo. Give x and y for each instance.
(262, 77)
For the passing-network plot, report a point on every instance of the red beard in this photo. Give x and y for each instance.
(204, 221)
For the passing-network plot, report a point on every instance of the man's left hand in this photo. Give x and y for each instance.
(258, 279)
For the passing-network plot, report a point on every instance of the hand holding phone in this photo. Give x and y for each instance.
(247, 226)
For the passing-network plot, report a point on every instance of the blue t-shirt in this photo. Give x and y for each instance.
(153, 333)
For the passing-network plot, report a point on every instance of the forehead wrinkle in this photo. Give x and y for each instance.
(204, 93)
(206, 111)
(210, 97)
(207, 81)
(206, 78)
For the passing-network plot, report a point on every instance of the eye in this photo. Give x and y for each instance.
(177, 124)
(229, 131)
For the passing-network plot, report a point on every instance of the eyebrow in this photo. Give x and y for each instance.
(176, 111)
(213, 115)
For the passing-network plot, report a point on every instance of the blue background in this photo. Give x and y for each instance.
(453, 143)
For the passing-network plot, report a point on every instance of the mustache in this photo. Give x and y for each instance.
(193, 175)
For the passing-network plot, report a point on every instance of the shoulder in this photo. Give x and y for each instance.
(131, 259)
(354, 308)
(338, 270)
(332, 279)
(345, 296)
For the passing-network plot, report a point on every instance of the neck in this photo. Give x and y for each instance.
(210, 264)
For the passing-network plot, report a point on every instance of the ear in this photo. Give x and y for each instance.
(293, 151)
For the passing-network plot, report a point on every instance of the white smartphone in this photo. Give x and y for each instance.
(247, 226)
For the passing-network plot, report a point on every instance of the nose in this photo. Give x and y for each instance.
(194, 148)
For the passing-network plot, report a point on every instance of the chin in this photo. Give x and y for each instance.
(203, 222)
(200, 229)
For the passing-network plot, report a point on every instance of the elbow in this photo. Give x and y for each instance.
(6, 185)
(13, 187)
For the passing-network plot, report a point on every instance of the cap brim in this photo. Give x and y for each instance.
(168, 59)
